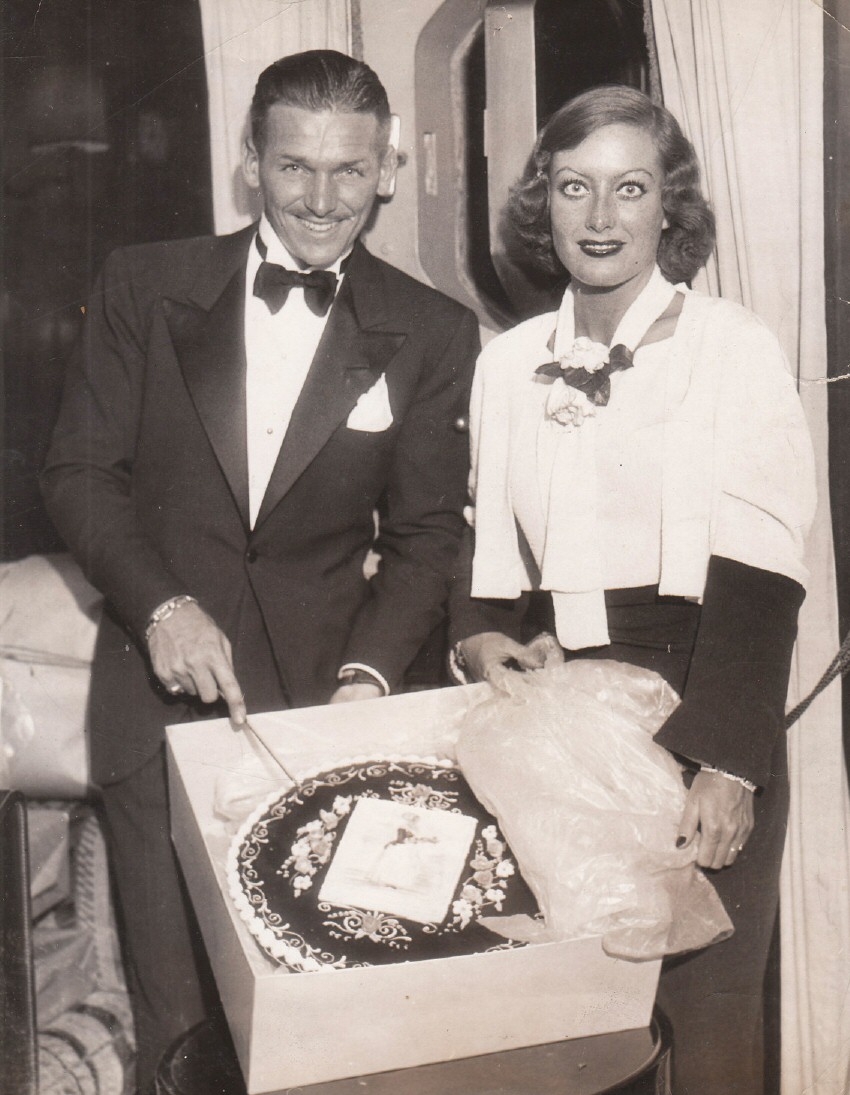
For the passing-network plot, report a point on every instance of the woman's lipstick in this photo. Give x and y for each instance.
(600, 249)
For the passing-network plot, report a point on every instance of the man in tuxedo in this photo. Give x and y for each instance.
(237, 411)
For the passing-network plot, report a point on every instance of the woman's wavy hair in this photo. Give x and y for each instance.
(688, 240)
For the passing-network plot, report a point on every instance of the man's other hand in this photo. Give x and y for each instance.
(349, 693)
(190, 654)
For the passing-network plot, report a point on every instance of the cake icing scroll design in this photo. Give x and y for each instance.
(420, 794)
(362, 924)
(278, 897)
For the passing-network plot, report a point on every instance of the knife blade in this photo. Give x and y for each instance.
(263, 750)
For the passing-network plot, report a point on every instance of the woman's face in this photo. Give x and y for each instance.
(605, 207)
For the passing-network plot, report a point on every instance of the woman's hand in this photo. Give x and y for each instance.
(722, 810)
(486, 656)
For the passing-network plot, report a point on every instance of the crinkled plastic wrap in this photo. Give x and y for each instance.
(590, 806)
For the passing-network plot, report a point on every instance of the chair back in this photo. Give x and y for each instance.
(18, 1038)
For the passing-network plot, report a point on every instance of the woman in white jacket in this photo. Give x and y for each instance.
(642, 468)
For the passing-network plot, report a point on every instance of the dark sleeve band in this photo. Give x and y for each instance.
(734, 702)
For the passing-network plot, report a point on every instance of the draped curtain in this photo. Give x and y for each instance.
(242, 37)
(746, 82)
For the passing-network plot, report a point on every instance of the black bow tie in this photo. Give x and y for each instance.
(595, 385)
(273, 282)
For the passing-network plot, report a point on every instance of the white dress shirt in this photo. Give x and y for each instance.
(279, 349)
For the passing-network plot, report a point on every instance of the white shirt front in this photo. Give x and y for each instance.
(279, 350)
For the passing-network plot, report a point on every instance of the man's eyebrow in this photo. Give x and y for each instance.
(290, 157)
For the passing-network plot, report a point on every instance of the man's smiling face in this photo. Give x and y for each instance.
(319, 173)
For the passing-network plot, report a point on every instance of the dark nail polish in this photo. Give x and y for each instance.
(681, 841)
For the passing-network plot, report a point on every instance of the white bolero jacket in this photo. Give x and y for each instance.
(729, 462)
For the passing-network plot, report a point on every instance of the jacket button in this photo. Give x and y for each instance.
(252, 555)
(461, 424)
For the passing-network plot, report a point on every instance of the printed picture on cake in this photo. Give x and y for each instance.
(399, 859)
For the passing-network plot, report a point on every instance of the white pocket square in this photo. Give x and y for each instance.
(372, 412)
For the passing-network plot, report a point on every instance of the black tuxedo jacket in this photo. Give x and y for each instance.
(147, 481)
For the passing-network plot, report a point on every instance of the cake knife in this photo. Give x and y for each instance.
(263, 750)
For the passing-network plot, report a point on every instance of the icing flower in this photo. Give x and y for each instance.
(321, 847)
(301, 882)
(472, 894)
(489, 833)
(370, 926)
(342, 805)
(462, 911)
(505, 869)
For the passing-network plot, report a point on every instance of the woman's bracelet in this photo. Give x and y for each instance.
(166, 609)
(750, 786)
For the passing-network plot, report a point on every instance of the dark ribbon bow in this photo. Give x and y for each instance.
(273, 282)
(595, 385)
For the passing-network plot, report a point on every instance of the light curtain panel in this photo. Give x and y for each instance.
(241, 38)
(745, 80)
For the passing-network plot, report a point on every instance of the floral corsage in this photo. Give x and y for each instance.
(582, 380)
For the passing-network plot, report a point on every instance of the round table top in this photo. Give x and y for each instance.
(203, 1062)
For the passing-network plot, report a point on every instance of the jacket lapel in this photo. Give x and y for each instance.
(356, 347)
(207, 332)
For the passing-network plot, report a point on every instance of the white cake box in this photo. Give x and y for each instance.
(303, 1028)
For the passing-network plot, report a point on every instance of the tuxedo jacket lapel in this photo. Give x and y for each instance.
(207, 332)
(357, 345)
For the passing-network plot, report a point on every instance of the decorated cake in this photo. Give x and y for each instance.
(374, 861)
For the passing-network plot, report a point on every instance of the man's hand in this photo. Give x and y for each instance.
(486, 655)
(349, 693)
(722, 810)
(190, 654)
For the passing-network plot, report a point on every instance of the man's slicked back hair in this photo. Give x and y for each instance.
(319, 80)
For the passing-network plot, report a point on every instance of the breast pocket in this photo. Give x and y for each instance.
(372, 413)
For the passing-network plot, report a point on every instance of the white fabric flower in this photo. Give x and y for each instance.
(585, 354)
(568, 406)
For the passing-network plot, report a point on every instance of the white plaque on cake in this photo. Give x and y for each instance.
(399, 859)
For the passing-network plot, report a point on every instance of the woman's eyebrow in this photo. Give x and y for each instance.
(566, 169)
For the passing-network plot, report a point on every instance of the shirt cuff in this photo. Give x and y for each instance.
(750, 786)
(358, 667)
(457, 666)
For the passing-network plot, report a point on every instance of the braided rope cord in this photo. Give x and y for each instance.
(837, 667)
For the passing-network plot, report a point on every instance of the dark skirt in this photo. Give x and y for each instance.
(714, 997)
